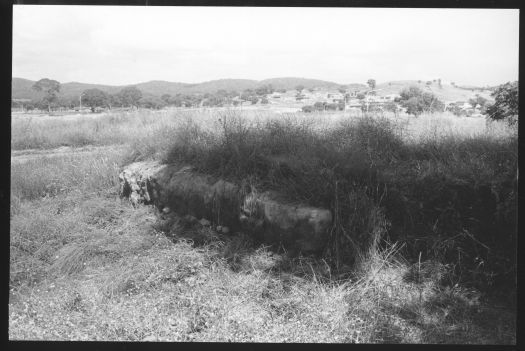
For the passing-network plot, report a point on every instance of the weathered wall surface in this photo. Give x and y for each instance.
(225, 204)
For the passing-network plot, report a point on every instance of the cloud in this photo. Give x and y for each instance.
(124, 45)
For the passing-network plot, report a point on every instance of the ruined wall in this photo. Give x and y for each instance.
(264, 215)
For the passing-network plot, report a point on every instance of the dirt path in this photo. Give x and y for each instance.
(22, 156)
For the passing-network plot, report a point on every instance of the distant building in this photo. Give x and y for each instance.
(392, 97)
(335, 96)
(466, 106)
(354, 103)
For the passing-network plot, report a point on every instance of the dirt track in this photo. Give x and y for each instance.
(21, 156)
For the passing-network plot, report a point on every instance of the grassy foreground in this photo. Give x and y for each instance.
(86, 265)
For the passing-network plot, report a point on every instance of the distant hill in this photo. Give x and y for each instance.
(75, 88)
(22, 88)
(356, 87)
(289, 83)
(212, 86)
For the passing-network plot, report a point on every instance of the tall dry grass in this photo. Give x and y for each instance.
(427, 183)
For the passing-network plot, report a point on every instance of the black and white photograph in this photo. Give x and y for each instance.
(249, 174)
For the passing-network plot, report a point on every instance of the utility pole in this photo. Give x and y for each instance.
(80, 108)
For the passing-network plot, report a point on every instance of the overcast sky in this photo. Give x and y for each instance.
(124, 45)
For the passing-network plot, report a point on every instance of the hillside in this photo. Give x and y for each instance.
(447, 92)
(76, 88)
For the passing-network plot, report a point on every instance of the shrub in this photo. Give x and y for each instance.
(416, 101)
(506, 106)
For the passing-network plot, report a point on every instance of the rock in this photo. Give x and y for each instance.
(150, 338)
(166, 210)
(135, 199)
(219, 228)
(305, 226)
(137, 179)
(225, 230)
(243, 219)
(204, 222)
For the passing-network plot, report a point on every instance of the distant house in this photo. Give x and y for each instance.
(335, 97)
(466, 106)
(354, 93)
(239, 101)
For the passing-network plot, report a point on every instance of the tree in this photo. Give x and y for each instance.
(51, 88)
(299, 88)
(360, 96)
(371, 83)
(264, 90)
(320, 106)
(308, 108)
(416, 101)
(506, 106)
(166, 98)
(94, 98)
(29, 106)
(342, 90)
(68, 102)
(130, 96)
(114, 100)
(152, 102)
(264, 101)
(478, 100)
(439, 84)
(331, 106)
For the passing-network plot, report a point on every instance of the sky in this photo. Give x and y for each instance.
(119, 45)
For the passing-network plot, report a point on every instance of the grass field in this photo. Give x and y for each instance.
(86, 265)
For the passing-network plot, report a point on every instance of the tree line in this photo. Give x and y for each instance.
(132, 97)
